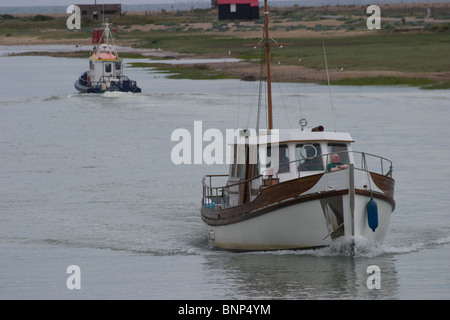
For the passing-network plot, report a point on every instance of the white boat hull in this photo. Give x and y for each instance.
(299, 226)
(333, 208)
(292, 227)
(361, 225)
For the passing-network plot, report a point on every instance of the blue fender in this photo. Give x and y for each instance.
(372, 214)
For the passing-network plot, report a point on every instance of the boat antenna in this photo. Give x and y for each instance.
(329, 86)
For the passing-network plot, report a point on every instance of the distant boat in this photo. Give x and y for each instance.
(105, 68)
(301, 196)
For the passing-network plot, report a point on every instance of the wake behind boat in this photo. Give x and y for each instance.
(105, 69)
(296, 188)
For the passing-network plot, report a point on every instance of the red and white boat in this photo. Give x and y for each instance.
(105, 68)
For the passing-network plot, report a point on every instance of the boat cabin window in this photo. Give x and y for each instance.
(340, 149)
(108, 67)
(117, 65)
(308, 157)
(283, 161)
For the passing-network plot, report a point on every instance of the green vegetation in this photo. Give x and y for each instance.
(419, 52)
(413, 82)
(196, 72)
(437, 86)
(385, 81)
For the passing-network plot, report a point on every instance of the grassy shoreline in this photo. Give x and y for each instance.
(422, 83)
(408, 50)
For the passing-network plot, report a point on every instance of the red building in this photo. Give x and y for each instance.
(238, 9)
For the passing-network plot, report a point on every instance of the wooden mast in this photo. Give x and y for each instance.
(269, 83)
(268, 42)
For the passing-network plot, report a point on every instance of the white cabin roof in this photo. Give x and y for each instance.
(291, 135)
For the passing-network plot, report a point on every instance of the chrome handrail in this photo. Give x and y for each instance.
(363, 165)
(210, 192)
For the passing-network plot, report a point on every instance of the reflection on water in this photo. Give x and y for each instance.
(292, 275)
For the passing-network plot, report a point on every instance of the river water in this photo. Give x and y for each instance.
(88, 180)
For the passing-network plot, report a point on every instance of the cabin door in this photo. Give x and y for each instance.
(108, 69)
(250, 169)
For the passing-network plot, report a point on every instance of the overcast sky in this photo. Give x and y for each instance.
(15, 3)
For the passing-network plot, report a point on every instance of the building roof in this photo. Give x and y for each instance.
(253, 3)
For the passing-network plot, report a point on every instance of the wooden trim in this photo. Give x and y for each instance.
(268, 196)
(212, 217)
(289, 193)
(386, 184)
